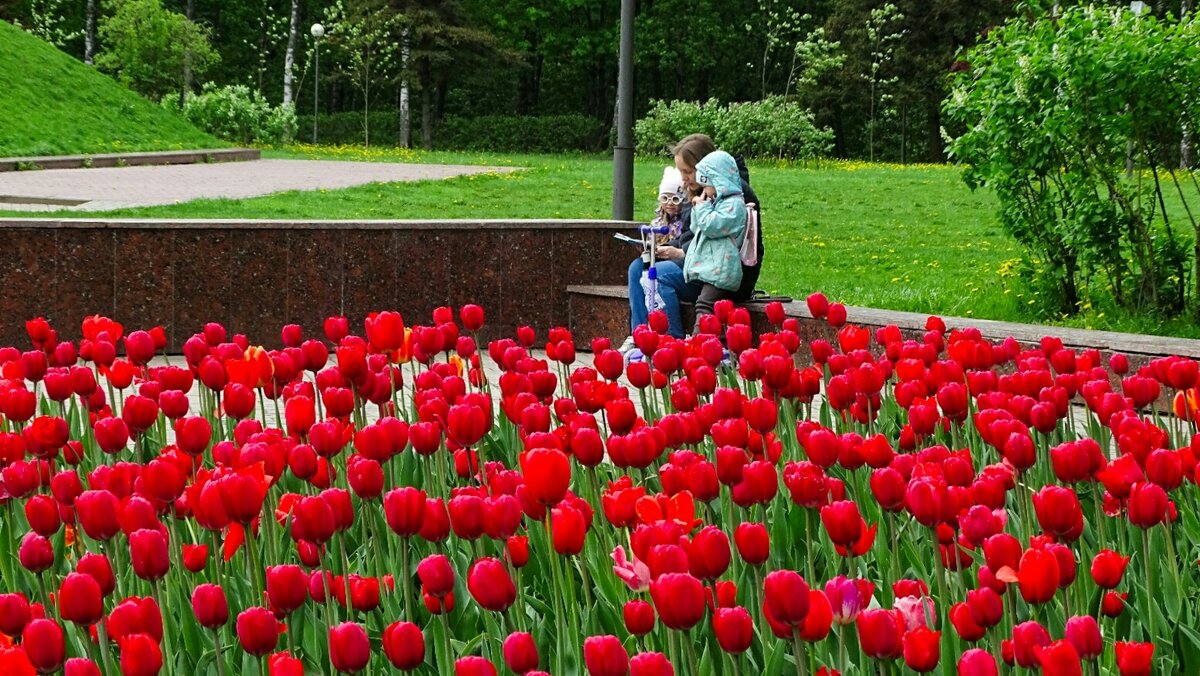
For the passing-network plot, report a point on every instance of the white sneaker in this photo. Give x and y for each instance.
(627, 345)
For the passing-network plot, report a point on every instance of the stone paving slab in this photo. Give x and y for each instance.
(117, 188)
(130, 159)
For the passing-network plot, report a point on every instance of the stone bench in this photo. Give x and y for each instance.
(604, 311)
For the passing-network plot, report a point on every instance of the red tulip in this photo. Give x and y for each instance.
(848, 597)
(80, 666)
(819, 618)
(639, 617)
(1113, 603)
(474, 666)
(708, 554)
(14, 614)
(257, 630)
(921, 649)
(1147, 505)
(287, 588)
(605, 656)
(79, 600)
(97, 512)
(880, 632)
(140, 656)
(650, 664)
(148, 553)
(36, 554)
(753, 542)
(1107, 568)
(679, 600)
(99, 568)
(520, 652)
(1134, 659)
(734, 629)
(1058, 512)
(135, 615)
(1038, 576)
(569, 528)
(490, 585)
(44, 645)
(786, 596)
(349, 647)
(547, 474)
(976, 662)
(965, 624)
(1028, 638)
(1060, 657)
(210, 606)
(195, 557)
(1083, 633)
(404, 645)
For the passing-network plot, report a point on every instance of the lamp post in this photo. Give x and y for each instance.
(318, 32)
(622, 207)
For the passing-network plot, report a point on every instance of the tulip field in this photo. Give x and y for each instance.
(370, 500)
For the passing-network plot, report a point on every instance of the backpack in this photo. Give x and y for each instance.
(749, 244)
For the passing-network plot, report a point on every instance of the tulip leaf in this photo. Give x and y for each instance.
(1189, 649)
(774, 662)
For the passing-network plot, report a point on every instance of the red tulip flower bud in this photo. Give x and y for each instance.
(79, 600)
(404, 645)
(349, 647)
(365, 477)
(1059, 512)
(195, 557)
(490, 585)
(474, 666)
(785, 594)
(679, 600)
(14, 614)
(436, 575)
(1038, 575)
(1028, 638)
(148, 553)
(708, 554)
(36, 554)
(921, 649)
(287, 588)
(1147, 505)
(135, 616)
(140, 656)
(734, 629)
(1134, 659)
(210, 606)
(753, 542)
(44, 645)
(257, 630)
(1083, 633)
(880, 633)
(1060, 657)
(1107, 568)
(97, 512)
(81, 666)
(976, 662)
(605, 656)
(639, 617)
(547, 474)
(520, 652)
(650, 664)
(99, 568)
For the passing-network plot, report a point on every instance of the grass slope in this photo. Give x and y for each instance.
(53, 104)
(896, 237)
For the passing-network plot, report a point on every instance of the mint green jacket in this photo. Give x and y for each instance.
(714, 256)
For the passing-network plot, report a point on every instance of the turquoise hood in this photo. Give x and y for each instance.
(719, 170)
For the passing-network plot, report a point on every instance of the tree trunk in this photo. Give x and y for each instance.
(289, 57)
(426, 105)
(89, 33)
(405, 117)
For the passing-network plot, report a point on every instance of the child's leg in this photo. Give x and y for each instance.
(637, 297)
(709, 295)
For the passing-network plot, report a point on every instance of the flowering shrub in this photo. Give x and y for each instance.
(235, 113)
(943, 502)
(772, 128)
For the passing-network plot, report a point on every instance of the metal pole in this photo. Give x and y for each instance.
(316, 85)
(623, 152)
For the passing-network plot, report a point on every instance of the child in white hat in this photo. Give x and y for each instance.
(671, 200)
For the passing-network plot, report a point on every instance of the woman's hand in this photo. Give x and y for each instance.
(698, 200)
(670, 253)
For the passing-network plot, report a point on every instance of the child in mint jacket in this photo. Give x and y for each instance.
(719, 223)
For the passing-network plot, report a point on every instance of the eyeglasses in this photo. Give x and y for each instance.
(670, 199)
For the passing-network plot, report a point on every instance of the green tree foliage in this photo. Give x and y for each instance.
(1075, 122)
(146, 46)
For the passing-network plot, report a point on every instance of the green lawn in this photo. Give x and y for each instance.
(53, 104)
(897, 237)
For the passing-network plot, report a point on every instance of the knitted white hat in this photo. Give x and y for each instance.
(672, 182)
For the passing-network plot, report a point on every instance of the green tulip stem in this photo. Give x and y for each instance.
(105, 658)
(1150, 587)
(220, 658)
(797, 652)
(168, 653)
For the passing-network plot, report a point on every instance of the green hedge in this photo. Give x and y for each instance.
(498, 133)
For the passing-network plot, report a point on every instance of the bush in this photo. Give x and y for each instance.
(348, 128)
(1053, 111)
(237, 114)
(772, 127)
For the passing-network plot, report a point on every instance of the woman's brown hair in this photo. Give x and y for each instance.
(694, 148)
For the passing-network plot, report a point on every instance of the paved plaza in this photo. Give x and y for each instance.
(122, 187)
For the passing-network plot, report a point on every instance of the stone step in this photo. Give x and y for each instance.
(129, 159)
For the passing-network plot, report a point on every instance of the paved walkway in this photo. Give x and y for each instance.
(116, 188)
